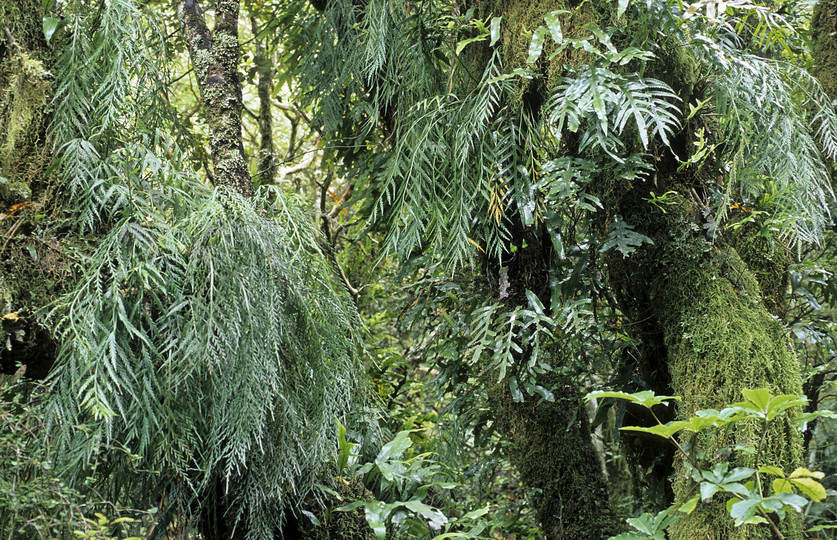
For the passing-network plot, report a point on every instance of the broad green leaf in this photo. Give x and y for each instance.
(396, 447)
(770, 469)
(707, 490)
(802, 419)
(376, 515)
(495, 30)
(759, 397)
(810, 487)
(465, 42)
(738, 474)
(435, 518)
(350, 506)
(344, 448)
(623, 5)
(536, 45)
(51, 24)
(479, 512)
(328, 490)
(781, 485)
(514, 388)
(643, 523)
(689, 506)
(802, 472)
(646, 398)
(697, 423)
(662, 430)
(716, 475)
(554, 25)
(794, 501)
(742, 510)
(602, 36)
(783, 402)
(734, 487)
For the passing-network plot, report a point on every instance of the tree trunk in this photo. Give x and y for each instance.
(824, 54)
(554, 455)
(215, 57)
(215, 60)
(266, 163)
(719, 338)
(32, 269)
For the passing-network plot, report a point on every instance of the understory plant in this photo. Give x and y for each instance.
(751, 498)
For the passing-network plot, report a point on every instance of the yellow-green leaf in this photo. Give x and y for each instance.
(810, 487)
(689, 506)
(802, 472)
(780, 485)
(770, 469)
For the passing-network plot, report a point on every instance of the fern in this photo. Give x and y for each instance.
(207, 334)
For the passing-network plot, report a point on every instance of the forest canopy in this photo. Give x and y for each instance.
(418, 269)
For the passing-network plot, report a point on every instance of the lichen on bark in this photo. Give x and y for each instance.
(215, 57)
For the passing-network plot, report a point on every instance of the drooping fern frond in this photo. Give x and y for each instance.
(605, 101)
(207, 339)
(775, 117)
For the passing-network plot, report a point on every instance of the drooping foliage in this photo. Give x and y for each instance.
(207, 342)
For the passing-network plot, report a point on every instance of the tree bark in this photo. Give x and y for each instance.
(214, 56)
(824, 54)
(718, 338)
(267, 165)
(554, 455)
(32, 268)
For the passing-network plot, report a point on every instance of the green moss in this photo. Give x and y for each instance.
(349, 525)
(720, 339)
(552, 451)
(13, 192)
(768, 259)
(824, 30)
(707, 309)
(521, 19)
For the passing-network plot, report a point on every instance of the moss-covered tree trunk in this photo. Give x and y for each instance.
(32, 268)
(214, 56)
(554, 455)
(824, 30)
(718, 337)
(551, 443)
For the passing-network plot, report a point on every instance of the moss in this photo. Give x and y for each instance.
(720, 339)
(349, 525)
(521, 19)
(13, 192)
(717, 337)
(26, 97)
(768, 259)
(33, 265)
(824, 54)
(552, 451)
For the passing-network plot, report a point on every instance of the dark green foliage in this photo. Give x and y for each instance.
(556, 459)
(36, 502)
(207, 342)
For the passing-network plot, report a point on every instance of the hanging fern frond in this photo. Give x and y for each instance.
(208, 337)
